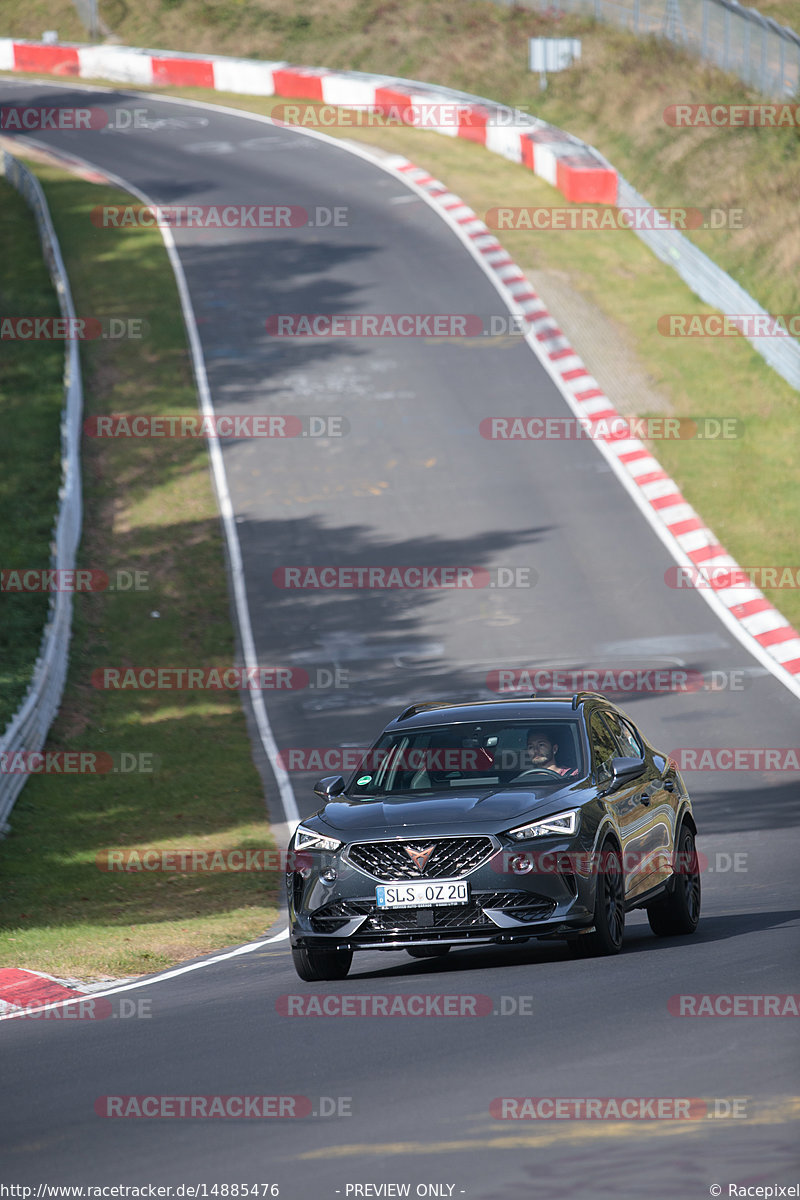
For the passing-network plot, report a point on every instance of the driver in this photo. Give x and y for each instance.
(541, 753)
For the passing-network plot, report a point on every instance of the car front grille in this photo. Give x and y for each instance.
(450, 916)
(449, 858)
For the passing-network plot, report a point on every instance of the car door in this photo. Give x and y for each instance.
(655, 835)
(664, 800)
(623, 803)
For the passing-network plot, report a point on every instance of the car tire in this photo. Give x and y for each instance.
(427, 951)
(609, 910)
(678, 912)
(314, 965)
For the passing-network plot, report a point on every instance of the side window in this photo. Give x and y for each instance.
(626, 747)
(604, 747)
(632, 740)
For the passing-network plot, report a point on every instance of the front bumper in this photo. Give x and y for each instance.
(504, 906)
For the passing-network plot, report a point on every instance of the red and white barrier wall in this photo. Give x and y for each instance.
(576, 169)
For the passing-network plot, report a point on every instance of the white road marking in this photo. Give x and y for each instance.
(248, 948)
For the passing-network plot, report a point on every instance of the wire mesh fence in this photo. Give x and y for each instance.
(28, 728)
(741, 40)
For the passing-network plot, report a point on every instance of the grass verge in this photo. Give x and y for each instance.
(149, 507)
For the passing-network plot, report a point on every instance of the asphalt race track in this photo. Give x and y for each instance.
(413, 483)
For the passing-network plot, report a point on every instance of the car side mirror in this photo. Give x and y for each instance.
(623, 770)
(330, 786)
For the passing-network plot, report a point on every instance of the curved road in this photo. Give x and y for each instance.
(412, 483)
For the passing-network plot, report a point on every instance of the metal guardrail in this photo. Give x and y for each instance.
(714, 286)
(705, 278)
(29, 726)
(764, 54)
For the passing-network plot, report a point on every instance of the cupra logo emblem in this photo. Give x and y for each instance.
(420, 857)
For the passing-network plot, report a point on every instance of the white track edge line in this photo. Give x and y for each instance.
(172, 973)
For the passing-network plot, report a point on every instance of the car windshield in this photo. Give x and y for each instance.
(476, 755)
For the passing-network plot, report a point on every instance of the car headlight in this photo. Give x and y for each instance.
(308, 839)
(566, 822)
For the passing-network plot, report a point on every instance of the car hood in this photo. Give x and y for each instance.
(465, 811)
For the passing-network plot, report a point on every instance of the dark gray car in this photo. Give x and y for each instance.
(489, 824)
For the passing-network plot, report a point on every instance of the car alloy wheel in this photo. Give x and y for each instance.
(678, 912)
(609, 910)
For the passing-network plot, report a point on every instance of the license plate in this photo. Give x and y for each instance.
(422, 895)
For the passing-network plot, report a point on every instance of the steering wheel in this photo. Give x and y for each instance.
(529, 771)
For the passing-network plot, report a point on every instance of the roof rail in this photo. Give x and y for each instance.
(422, 705)
(579, 697)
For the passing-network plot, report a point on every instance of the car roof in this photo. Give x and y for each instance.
(443, 712)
